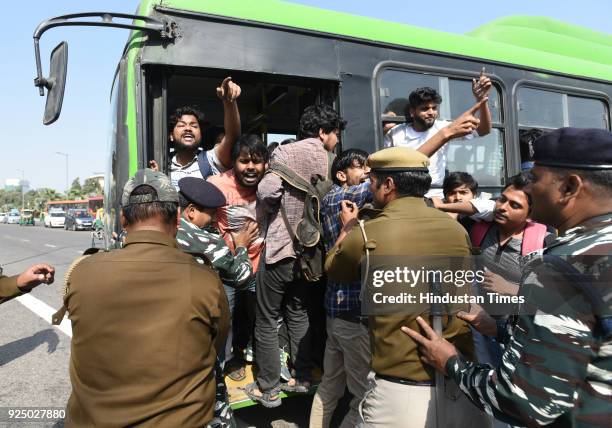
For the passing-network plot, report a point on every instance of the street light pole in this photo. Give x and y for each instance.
(66, 155)
(22, 184)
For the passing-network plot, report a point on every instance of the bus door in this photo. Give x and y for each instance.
(270, 105)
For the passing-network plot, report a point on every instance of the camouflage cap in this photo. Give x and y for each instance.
(398, 159)
(158, 181)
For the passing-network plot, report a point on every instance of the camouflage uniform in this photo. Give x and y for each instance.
(557, 365)
(234, 270)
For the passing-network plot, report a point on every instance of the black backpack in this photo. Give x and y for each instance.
(306, 237)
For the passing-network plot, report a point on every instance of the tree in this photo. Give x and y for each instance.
(91, 187)
(76, 191)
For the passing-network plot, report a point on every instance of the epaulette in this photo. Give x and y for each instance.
(57, 317)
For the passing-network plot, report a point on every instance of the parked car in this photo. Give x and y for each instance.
(26, 218)
(13, 217)
(78, 220)
(55, 218)
(3, 217)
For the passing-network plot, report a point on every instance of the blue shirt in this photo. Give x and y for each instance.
(341, 297)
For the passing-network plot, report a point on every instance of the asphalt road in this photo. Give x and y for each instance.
(34, 354)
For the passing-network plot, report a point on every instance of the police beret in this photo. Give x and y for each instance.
(200, 192)
(574, 148)
(158, 181)
(398, 159)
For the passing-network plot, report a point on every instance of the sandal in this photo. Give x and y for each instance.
(266, 398)
(299, 386)
(236, 370)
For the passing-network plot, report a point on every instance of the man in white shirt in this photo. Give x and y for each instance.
(185, 126)
(429, 135)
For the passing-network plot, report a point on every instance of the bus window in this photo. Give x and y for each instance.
(483, 157)
(538, 108)
(587, 113)
(395, 86)
(548, 109)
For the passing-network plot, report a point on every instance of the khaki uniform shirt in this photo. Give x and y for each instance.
(8, 288)
(405, 227)
(146, 320)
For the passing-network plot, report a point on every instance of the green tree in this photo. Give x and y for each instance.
(76, 191)
(91, 187)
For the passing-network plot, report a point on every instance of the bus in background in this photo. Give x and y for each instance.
(91, 204)
(546, 74)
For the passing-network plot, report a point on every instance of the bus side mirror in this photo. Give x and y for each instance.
(55, 83)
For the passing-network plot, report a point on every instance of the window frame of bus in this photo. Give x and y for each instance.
(454, 74)
(566, 92)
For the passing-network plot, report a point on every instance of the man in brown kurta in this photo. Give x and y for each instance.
(147, 321)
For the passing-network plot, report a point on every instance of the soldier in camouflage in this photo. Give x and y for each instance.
(198, 201)
(557, 366)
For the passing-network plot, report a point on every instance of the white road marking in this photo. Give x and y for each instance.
(51, 245)
(44, 311)
(79, 252)
(24, 240)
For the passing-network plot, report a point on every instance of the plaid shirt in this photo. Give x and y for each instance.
(341, 297)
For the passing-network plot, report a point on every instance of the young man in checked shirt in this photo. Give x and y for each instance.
(347, 351)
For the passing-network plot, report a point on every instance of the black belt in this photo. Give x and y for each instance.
(352, 317)
(405, 381)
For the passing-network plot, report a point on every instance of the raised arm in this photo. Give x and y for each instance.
(228, 92)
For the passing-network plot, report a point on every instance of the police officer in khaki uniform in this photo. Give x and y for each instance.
(148, 321)
(402, 388)
(13, 286)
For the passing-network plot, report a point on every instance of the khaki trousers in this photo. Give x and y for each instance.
(393, 405)
(346, 364)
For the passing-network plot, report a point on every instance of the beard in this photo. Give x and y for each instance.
(182, 146)
(424, 123)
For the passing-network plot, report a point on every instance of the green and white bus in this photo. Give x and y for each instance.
(286, 56)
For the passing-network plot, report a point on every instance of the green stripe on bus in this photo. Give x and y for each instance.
(541, 43)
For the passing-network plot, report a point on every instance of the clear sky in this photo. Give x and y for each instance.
(82, 129)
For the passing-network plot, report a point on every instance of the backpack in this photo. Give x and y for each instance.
(306, 237)
(533, 236)
(204, 164)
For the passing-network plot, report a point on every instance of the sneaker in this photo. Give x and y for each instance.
(285, 373)
(249, 355)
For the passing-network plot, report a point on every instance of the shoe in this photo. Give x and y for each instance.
(267, 399)
(285, 373)
(299, 386)
(249, 355)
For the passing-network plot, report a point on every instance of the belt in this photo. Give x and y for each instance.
(406, 381)
(352, 317)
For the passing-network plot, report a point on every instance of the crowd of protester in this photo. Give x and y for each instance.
(264, 216)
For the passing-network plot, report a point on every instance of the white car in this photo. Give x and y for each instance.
(3, 217)
(13, 218)
(55, 219)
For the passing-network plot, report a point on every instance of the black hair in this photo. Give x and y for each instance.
(410, 183)
(319, 116)
(397, 106)
(346, 159)
(271, 147)
(287, 141)
(599, 178)
(520, 182)
(135, 213)
(252, 144)
(459, 178)
(423, 95)
(526, 139)
(191, 110)
(183, 201)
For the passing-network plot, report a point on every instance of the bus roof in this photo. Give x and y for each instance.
(535, 42)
